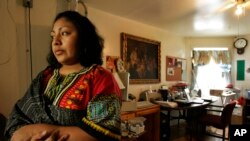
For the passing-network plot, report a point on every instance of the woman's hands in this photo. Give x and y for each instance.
(45, 132)
(39, 132)
(53, 136)
(76, 134)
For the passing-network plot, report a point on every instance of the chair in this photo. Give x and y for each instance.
(246, 112)
(218, 121)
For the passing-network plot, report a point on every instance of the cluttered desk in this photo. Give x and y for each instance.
(193, 107)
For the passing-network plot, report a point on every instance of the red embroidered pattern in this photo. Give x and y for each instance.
(84, 87)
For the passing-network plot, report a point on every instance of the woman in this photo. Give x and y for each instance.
(74, 98)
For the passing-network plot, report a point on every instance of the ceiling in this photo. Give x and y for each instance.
(180, 16)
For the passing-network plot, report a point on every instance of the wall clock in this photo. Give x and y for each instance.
(240, 45)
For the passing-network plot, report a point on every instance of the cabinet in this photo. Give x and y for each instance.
(152, 123)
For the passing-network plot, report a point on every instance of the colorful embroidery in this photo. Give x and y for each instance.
(68, 91)
(70, 101)
(101, 129)
(105, 109)
(101, 106)
(92, 90)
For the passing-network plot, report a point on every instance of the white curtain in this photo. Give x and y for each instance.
(211, 70)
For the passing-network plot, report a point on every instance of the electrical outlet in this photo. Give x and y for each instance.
(28, 3)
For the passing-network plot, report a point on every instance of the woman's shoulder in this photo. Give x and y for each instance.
(48, 70)
(46, 73)
(99, 68)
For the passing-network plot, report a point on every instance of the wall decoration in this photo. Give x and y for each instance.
(175, 68)
(141, 58)
(111, 63)
(240, 70)
(170, 71)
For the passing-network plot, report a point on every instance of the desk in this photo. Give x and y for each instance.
(152, 123)
(193, 112)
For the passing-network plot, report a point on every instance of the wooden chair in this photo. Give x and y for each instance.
(218, 121)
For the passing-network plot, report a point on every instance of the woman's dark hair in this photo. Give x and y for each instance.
(89, 43)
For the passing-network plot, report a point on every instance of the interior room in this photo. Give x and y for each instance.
(175, 27)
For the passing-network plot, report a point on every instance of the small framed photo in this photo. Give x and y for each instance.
(111, 63)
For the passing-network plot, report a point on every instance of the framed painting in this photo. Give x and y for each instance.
(141, 58)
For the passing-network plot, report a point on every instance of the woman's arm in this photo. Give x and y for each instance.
(76, 134)
(37, 132)
(27, 132)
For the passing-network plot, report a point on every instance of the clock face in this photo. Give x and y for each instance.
(240, 43)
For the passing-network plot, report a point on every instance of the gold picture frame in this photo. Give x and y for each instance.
(141, 58)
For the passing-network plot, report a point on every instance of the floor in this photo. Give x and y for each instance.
(180, 134)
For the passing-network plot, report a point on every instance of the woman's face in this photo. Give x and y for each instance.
(64, 35)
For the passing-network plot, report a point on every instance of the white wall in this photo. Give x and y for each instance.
(9, 74)
(15, 59)
(111, 26)
(243, 84)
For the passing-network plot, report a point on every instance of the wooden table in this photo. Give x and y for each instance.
(193, 110)
(152, 123)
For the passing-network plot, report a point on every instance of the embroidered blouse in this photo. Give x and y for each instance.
(89, 99)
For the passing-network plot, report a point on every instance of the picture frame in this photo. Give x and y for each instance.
(111, 63)
(141, 58)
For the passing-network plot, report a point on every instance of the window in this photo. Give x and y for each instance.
(211, 69)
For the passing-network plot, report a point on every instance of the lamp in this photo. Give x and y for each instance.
(240, 9)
